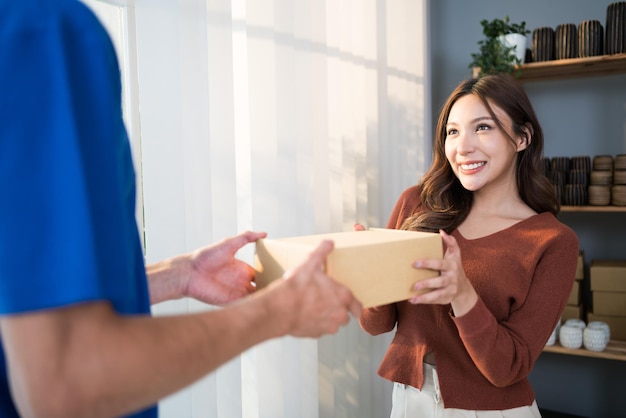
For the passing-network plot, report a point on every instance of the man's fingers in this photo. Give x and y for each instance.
(243, 239)
(318, 256)
(251, 236)
(313, 263)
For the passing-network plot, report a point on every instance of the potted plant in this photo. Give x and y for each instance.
(503, 47)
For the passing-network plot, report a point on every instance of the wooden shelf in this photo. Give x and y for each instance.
(601, 65)
(574, 67)
(616, 350)
(593, 209)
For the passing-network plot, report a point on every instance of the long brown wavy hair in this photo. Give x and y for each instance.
(445, 203)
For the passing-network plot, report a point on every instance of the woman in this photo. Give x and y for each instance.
(468, 344)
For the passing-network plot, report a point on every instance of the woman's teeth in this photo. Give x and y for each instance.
(472, 166)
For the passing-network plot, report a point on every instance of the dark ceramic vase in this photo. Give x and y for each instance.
(543, 44)
(590, 38)
(575, 195)
(560, 164)
(578, 177)
(581, 162)
(616, 28)
(566, 41)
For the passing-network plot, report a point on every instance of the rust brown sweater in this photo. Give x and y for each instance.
(523, 276)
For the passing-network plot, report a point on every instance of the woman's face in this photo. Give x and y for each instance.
(480, 154)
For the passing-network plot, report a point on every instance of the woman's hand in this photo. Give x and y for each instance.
(451, 286)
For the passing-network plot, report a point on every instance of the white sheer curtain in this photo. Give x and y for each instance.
(288, 116)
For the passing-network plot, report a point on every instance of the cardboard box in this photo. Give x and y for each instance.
(580, 267)
(617, 324)
(608, 275)
(609, 303)
(575, 296)
(376, 265)
(575, 312)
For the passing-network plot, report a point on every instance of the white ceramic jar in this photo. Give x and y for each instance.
(601, 325)
(596, 336)
(553, 336)
(595, 339)
(571, 336)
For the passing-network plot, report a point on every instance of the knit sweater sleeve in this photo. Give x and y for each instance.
(381, 319)
(505, 346)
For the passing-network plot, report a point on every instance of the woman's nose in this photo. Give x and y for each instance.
(465, 144)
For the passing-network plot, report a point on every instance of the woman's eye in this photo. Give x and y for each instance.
(483, 127)
(451, 132)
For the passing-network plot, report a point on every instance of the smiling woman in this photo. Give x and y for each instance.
(507, 272)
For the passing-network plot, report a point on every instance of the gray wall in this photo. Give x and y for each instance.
(585, 116)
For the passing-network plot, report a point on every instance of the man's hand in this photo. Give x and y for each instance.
(216, 276)
(210, 274)
(309, 302)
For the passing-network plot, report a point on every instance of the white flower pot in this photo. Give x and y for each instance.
(601, 325)
(516, 40)
(555, 334)
(571, 336)
(595, 339)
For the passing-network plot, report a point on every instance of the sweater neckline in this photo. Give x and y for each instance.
(516, 225)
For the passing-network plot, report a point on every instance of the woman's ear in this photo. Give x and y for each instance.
(525, 137)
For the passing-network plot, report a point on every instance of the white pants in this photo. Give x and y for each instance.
(409, 402)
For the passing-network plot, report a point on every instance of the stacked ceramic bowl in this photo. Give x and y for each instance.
(556, 170)
(577, 181)
(618, 197)
(601, 181)
(580, 181)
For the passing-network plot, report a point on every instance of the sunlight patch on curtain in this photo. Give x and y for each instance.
(290, 117)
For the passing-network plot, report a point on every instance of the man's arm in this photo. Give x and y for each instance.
(86, 360)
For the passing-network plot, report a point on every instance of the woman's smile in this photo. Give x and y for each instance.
(471, 167)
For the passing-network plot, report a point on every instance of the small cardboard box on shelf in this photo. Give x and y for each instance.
(608, 287)
(609, 303)
(608, 275)
(575, 298)
(580, 267)
(572, 312)
(376, 264)
(617, 324)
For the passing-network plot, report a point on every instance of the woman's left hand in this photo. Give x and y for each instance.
(451, 286)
